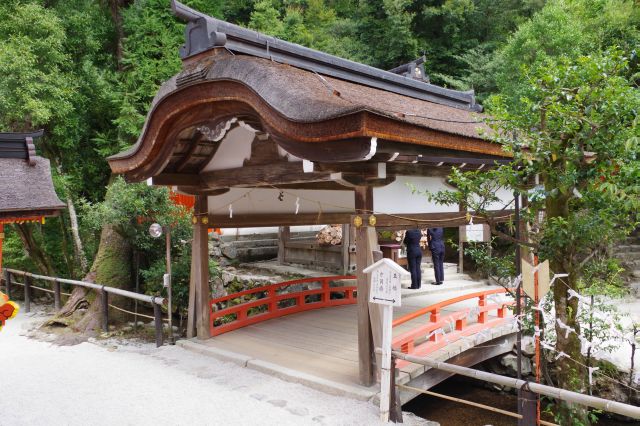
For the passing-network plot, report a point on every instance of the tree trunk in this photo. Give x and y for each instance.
(37, 255)
(111, 267)
(116, 16)
(78, 248)
(569, 374)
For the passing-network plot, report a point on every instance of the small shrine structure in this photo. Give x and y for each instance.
(269, 133)
(26, 188)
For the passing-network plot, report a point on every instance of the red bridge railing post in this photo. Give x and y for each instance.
(482, 316)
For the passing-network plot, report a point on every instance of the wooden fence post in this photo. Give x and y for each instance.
(529, 408)
(395, 405)
(56, 295)
(157, 313)
(105, 310)
(27, 293)
(7, 282)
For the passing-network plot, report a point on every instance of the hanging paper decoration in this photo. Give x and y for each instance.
(591, 370)
(566, 328)
(585, 344)
(516, 281)
(230, 211)
(297, 204)
(556, 276)
(474, 312)
(561, 355)
(573, 293)
(452, 324)
(547, 346)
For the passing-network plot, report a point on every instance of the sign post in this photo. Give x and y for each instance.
(385, 288)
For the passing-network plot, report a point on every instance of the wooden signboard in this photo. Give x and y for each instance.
(475, 233)
(386, 276)
(529, 276)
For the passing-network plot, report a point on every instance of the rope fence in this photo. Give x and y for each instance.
(104, 292)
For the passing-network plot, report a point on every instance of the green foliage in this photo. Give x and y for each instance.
(180, 273)
(568, 28)
(490, 262)
(131, 209)
(152, 38)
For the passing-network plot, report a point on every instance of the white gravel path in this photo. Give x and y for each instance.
(138, 384)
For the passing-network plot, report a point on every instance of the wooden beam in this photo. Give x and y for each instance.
(318, 186)
(277, 219)
(417, 169)
(426, 220)
(200, 191)
(284, 234)
(179, 179)
(193, 145)
(356, 180)
(262, 175)
(451, 160)
(27, 214)
(398, 221)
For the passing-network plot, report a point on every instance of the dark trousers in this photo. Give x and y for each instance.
(414, 259)
(438, 264)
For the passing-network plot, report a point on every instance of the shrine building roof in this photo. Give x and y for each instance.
(26, 188)
(314, 106)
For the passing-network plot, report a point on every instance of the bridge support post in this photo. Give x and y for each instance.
(199, 294)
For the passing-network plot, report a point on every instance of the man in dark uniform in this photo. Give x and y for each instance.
(414, 256)
(436, 245)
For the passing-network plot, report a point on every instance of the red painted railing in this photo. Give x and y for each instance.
(276, 300)
(422, 340)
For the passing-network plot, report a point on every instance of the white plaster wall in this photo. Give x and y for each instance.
(398, 197)
(233, 150)
(263, 200)
(506, 199)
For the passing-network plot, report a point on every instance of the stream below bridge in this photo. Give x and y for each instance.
(450, 413)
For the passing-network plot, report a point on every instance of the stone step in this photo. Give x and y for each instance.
(251, 243)
(631, 265)
(629, 256)
(447, 287)
(625, 248)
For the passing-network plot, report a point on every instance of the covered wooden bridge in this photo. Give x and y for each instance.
(269, 133)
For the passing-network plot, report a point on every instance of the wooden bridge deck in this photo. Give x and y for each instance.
(323, 342)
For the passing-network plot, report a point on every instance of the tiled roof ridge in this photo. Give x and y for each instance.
(204, 32)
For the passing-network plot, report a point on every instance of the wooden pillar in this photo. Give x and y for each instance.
(7, 283)
(199, 293)
(57, 301)
(346, 241)
(27, 293)
(364, 205)
(462, 231)
(104, 299)
(284, 234)
(1, 240)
